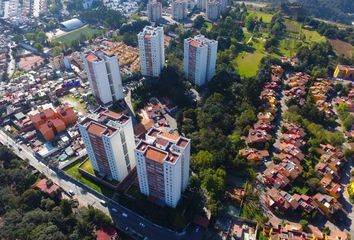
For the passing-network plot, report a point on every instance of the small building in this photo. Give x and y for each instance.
(344, 72)
(47, 186)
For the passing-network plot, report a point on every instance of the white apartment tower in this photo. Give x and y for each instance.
(152, 51)
(223, 5)
(39, 7)
(103, 74)
(154, 10)
(179, 10)
(202, 4)
(163, 161)
(199, 59)
(109, 140)
(213, 10)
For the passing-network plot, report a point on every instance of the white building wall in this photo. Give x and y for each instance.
(154, 11)
(173, 181)
(185, 166)
(116, 156)
(179, 10)
(213, 10)
(88, 146)
(205, 60)
(107, 75)
(212, 55)
(112, 66)
(156, 42)
(186, 58)
(130, 141)
(141, 170)
(201, 66)
(103, 87)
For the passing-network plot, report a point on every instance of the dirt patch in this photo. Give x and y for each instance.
(342, 47)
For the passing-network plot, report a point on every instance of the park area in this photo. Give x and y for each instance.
(247, 62)
(85, 32)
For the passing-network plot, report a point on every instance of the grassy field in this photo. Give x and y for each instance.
(341, 47)
(73, 171)
(74, 102)
(266, 17)
(88, 167)
(247, 63)
(87, 31)
(292, 26)
(313, 36)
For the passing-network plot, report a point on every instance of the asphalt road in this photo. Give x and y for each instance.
(133, 224)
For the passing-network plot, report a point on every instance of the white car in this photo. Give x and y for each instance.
(71, 192)
(125, 215)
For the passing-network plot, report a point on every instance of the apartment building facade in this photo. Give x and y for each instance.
(163, 161)
(16, 8)
(199, 59)
(213, 10)
(154, 10)
(109, 140)
(152, 51)
(179, 10)
(104, 76)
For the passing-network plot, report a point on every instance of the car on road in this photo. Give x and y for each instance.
(71, 192)
(114, 210)
(125, 215)
(142, 225)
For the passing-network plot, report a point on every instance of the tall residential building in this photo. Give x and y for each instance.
(152, 51)
(39, 7)
(103, 74)
(154, 10)
(199, 59)
(213, 10)
(202, 4)
(109, 140)
(163, 165)
(223, 5)
(179, 10)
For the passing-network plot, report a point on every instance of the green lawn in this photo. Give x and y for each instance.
(266, 17)
(313, 36)
(87, 31)
(88, 167)
(73, 171)
(208, 26)
(247, 63)
(292, 26)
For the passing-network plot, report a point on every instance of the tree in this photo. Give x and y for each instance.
(203, 160)
(198, 22)
(31, 198)
(56, 51)
(213, 181)
(304, 224)
(65, 207)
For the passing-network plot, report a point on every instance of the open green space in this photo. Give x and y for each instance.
(266, 17)
(74, 102)
(87, 167)
(73, 171)
(86, 31)
(208, 26)
(247, 63)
